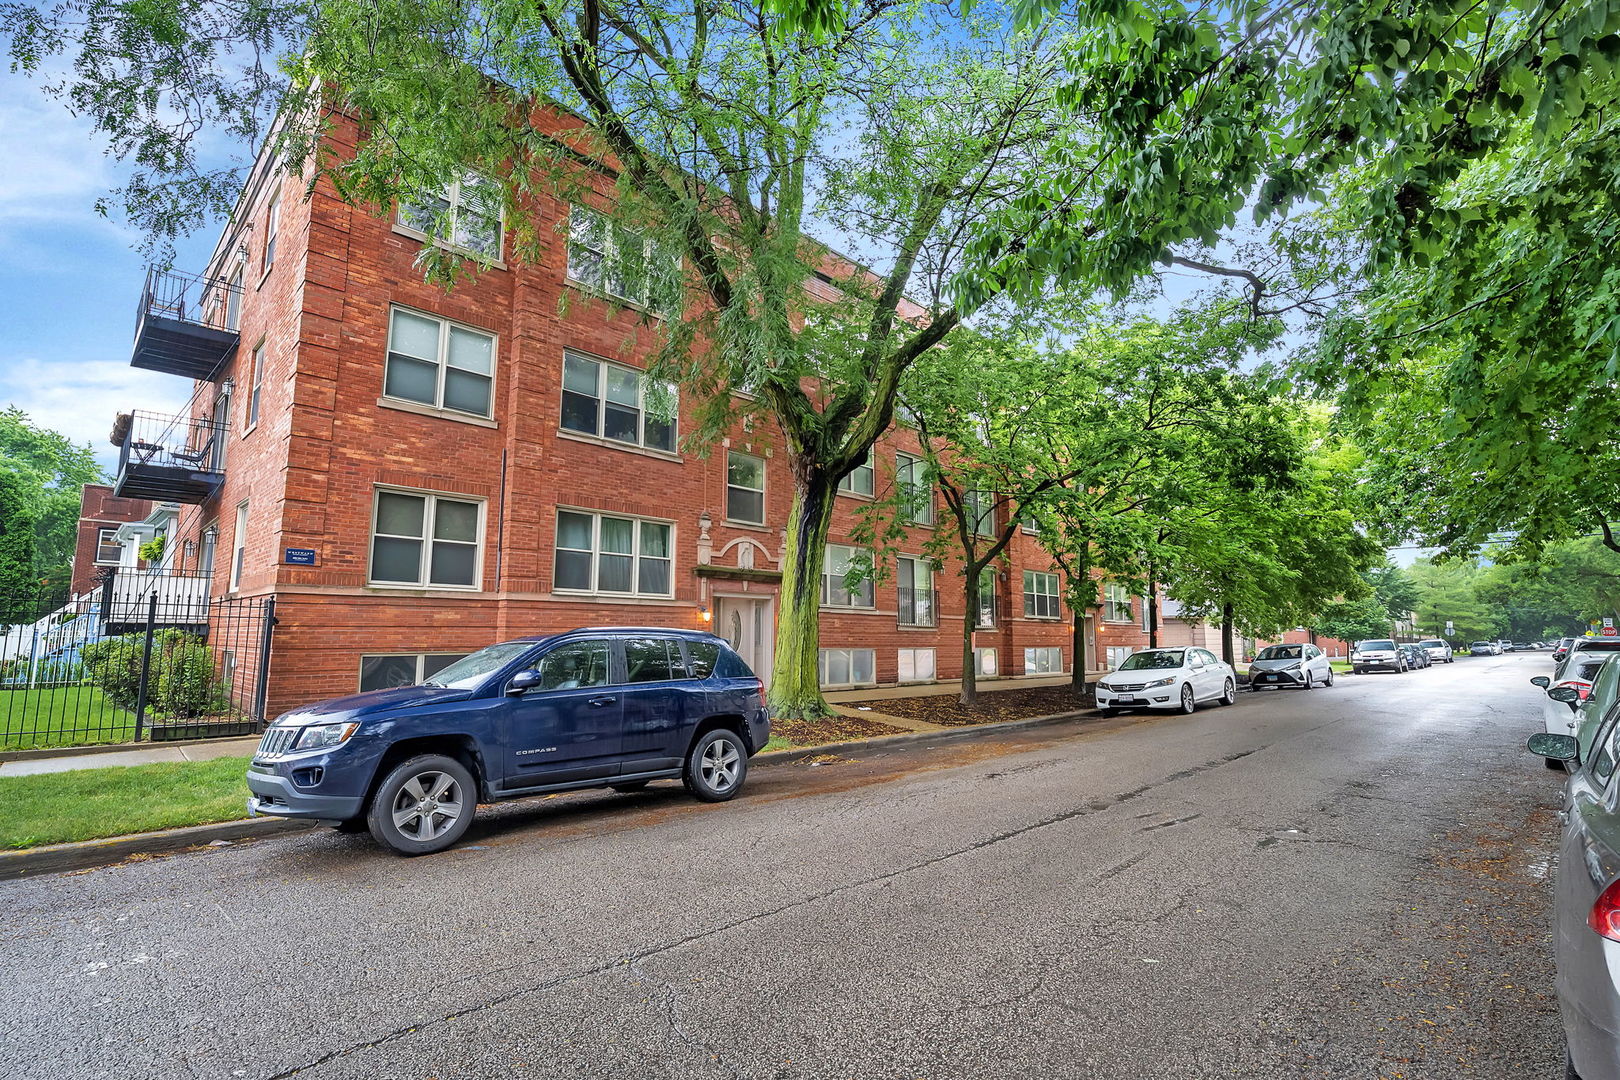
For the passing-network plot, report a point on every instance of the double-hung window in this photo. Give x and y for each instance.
(838, 563)
(255, 387)
(1040, 595)
(233, 300)
(618, 261)
(987, 599)
(239, 545)
(1116, 603)
(272, 231)
(466, 215)
(745, 488)
(1044, 661)
(848, 667)
(859, 481)
(910, 474)
(109, 552)
(980, 509)
(916, 591)
(440, 364)
(612, 402)
(600, 553)
(425, 540)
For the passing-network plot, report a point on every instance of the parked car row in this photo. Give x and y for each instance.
(1580, 721)
(1385, 654)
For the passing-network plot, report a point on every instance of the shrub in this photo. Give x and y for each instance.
(180, 681)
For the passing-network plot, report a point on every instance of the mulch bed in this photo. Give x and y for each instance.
(831, 730)
(994, 706)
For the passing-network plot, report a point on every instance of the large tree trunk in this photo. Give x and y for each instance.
(796, 677)
(1226, 634)
(970, 621)
(1078, 678)
(1153, 613)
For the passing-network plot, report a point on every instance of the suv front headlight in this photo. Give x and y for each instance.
(324, 735)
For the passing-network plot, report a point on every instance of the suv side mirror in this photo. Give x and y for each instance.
(1557, 747)
(1566, 694)
(1541, 681)
(523, 680)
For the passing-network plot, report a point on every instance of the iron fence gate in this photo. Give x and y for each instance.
(142, 656)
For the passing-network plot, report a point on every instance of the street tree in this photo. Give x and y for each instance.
(46, 472)
(948, 152)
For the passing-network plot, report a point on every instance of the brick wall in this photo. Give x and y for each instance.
(328, 439)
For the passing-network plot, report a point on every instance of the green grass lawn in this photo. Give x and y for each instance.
(67, 716)
(86, 804)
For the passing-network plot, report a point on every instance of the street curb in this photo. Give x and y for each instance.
(113, 748)
(915, 738)
(83, 854)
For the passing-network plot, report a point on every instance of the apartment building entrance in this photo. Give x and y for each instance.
(748, 623)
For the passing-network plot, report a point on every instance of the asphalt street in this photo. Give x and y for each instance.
(1347, 882)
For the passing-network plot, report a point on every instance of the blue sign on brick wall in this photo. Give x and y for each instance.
(300, 556)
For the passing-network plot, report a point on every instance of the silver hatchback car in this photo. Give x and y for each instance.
(1586, 908)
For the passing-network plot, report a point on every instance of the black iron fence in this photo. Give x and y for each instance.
(114, 665)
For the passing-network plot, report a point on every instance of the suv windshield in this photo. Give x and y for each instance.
(470, 671)
(1374, 646)
(1280, 652)
(1157, 658)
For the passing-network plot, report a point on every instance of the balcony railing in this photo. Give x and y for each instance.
(916, 606)
(168, 458)
(182, 599)
(186, 325)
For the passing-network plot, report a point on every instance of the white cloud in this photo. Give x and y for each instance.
(80, 398)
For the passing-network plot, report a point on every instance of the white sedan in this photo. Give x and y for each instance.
(1167, 679)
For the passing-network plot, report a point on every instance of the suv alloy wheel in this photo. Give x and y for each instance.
(716, 766)
(423, 805)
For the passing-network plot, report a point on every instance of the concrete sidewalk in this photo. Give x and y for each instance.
(203, 750)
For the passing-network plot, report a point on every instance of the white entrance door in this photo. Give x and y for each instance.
(745, 621)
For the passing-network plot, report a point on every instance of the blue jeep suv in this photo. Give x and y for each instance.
(603, 707)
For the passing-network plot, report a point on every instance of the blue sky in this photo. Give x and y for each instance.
(69, 278)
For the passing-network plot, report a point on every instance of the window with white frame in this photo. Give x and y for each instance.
(984, 662)
(612, 401)
(434, 362)
(255, 387)
(745, 488)
(980, 509)
(1044, 661)
(1116, 603)
(109, 552)
(425, 540)
(859, 481)
(916, 590)
(239, 545)
(987, 599)
(467, 215)
(916, 665)
(848, 667)
(602, 553)
(1117, 655)
(1040, 595)
(272, 231)
(385, 672)
(836, 565)
(619, 261)
(233, 300)
(911, 477)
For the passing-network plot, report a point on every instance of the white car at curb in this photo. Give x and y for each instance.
(1177, 678)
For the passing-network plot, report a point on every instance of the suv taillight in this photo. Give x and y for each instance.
(759, 687)
(1604, 918)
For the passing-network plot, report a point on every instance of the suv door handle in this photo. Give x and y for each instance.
(599, 702)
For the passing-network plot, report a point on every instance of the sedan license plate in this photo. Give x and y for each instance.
(1126, 701)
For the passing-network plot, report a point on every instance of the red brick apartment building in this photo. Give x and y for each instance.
(415, 473)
